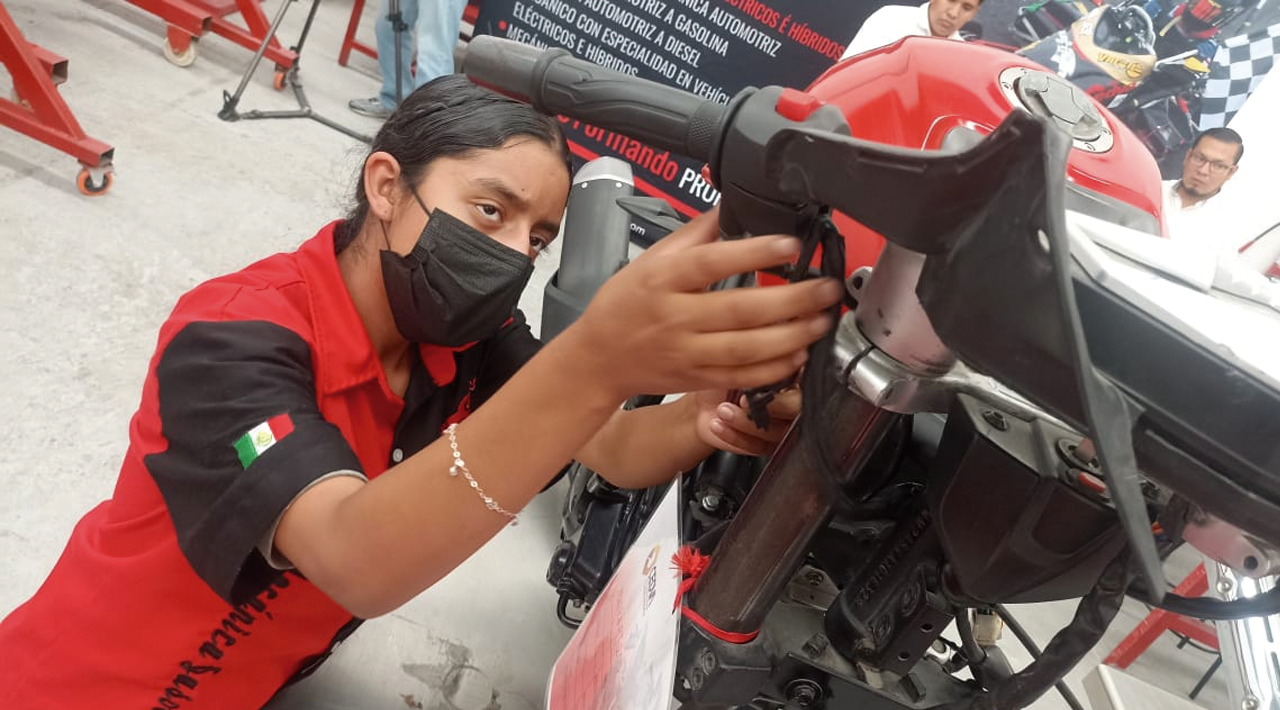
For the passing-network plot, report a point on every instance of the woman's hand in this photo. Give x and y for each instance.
(725, 425)
(654, 327)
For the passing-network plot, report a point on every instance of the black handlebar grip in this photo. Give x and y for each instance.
(556, 82)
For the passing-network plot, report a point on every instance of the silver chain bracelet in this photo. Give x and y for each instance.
(460, 466)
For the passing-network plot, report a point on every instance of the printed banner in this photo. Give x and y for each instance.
(712, 48)
(715, 48)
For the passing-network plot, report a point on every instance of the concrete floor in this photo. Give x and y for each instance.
(89, 280)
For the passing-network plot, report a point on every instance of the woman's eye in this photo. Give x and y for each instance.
(490, 211)
(538, 244)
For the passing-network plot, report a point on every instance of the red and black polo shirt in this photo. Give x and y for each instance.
(263, 382)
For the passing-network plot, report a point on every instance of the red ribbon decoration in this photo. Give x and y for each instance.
(691, 564)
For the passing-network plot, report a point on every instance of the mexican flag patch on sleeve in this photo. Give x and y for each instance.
(262, 437)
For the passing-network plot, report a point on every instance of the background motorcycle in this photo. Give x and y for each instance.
(879, 521)
(1114, 54)
(1193, 25)
(1160, 110)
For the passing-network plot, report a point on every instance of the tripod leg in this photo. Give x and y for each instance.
(228, 112)
(306, 30)
(285, 76)
(398, 26)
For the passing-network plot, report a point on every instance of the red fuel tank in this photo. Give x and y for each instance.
(914, 92)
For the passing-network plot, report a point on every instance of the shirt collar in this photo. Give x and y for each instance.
(341, 340)
(1176, 197)
(922, 19)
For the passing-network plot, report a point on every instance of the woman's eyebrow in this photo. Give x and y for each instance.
(552, 228)
(500, 188)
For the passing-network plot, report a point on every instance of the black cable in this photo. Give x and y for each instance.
(815, 383)
(1261, 234)
(958, 659)
(967, 641)
(1030, 644)
(952, 645)
(562, 612)
(1173, 519)
(1210, 609)
(1067, 647)
(1183, 640)
(815, 229)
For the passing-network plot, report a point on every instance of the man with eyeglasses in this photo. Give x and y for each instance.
(1212, 160)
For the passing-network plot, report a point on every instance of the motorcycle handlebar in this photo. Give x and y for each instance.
(556, 82)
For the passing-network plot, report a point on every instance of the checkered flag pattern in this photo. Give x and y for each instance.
(1237, 69)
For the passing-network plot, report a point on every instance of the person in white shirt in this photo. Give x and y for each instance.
(936, 18)
(1212, 160)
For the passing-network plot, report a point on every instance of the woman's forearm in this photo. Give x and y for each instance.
(373, 546)
(643, 447)
(651, 327)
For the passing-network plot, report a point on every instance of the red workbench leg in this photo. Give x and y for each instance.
(349, 41)
(54, 66)
(178, 13)
(186, 23)
(256, 19)
(254, 31)
(1197, 631)
(42, 114)
(1159, 621)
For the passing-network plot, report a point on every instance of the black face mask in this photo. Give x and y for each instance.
(457, 286)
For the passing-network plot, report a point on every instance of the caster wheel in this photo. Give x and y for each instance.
(182, 59)
(280, 79)
(87, 186)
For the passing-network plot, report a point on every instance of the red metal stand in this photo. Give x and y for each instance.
(190, 19)
(1159, 621)
(38, 110)
(349, 41)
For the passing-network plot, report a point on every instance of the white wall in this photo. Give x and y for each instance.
(1250, 201)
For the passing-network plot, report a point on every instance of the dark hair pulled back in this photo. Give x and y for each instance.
(448, 117)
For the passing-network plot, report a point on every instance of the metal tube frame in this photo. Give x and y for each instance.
(40, 111)
(1250, 647)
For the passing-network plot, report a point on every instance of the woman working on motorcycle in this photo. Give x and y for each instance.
(313, 413)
